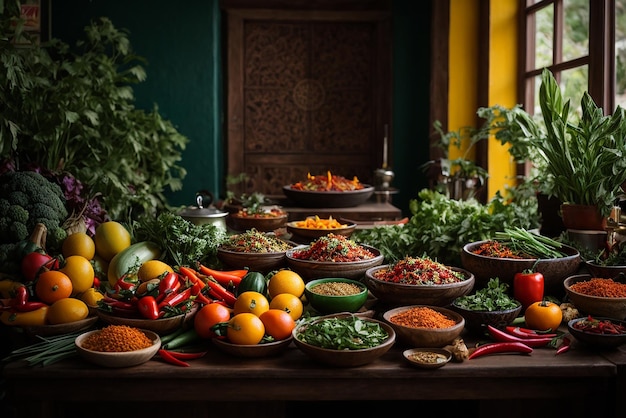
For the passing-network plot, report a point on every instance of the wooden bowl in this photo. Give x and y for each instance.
(399, 294)
(329, 304)
(426, 337)
(597, 340)
(594, 305)
(261, 262)
(329, 199)
(161, 326)
(59, 329)
(554, 270)
(261, 223)
(253, 350)
(344, 358)
(427, 358)
(476, 321)
(605, 272)
(311, 269)
(301, 234)
(118, 359)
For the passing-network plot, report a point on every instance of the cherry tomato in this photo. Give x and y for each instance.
(528, 287)
(543, 315)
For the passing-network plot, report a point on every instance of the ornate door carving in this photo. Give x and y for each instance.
(306, 92)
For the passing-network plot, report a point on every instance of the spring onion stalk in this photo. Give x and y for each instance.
(48, 351)
(534, 245)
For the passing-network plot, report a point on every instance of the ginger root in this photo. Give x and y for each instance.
(459, 350)
(569, 312)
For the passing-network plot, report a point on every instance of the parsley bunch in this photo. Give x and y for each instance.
(493, 297)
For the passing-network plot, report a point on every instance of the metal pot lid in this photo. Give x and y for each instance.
(199, 211)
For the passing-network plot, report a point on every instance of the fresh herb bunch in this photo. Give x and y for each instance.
(184, 243)
(349, 333)
(493, 297)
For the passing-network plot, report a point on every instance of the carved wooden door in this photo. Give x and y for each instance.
(307, 92)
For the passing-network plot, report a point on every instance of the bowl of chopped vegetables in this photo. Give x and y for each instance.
(500, 258)
(328, 191)
(255, 250)
(425, 326)
(333, 255)
(262, 219)
(598, 332)
(323, 339)
(491, 305)
(418, 281)
(313, 227)
(335, 295)
(597, 296)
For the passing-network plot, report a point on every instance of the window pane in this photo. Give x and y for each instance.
(544, 36)
(575, 29)
(573, 83)
(620, 53)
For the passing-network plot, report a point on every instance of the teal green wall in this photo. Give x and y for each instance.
(181, 43)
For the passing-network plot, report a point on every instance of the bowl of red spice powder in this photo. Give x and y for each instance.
(597, 296)
(425, 326)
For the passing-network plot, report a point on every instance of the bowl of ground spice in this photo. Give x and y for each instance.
(597, 296)
(333, 255)
(334, 295)
(255, 250)
(118, 346)
(425, 326)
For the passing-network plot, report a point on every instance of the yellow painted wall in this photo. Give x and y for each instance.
(463, 81)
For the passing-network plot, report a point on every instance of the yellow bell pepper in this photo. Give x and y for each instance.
(25, 319)
(7, 288)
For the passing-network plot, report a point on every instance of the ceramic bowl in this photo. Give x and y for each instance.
(301, 234)
(426, 337)
(161, 326)
(476, 321)
(554, 270)
(118, 359)
(593, 305)
(344, 358)
(597, 340)
(427, 358)
(605, 272)
(237, 222)
(329, 304)
(398, 294)
(252, 350)
(329, 199)
(310, 269)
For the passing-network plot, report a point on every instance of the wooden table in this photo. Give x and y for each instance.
(578, 383)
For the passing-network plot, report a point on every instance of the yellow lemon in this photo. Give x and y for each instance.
(153, 269)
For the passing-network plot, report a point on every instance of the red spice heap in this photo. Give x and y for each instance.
(605, 288)
(419, 271)
(333, 247)
(422, 317)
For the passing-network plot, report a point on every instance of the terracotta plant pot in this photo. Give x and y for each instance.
(582, 217)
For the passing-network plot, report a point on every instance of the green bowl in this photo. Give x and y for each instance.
(329, 304)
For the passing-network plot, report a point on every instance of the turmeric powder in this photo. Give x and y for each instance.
(117, 338)
(422, 317)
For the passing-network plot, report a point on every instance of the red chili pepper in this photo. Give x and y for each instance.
(528, 287)
(528, 333)
(565, 346)
(225, 278)
(125, 283)
(181, 355)
(174, 299)
(500, 347)
(191, 275)
(148, 307)
(96, 283)
(167, 356)
(220, 292)
(502, 336)
(29, 306)
(170, 283)
(202, 299)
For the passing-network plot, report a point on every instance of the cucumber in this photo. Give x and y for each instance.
(131, 258)
(253, 281)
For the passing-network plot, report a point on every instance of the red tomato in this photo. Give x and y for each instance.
(33, 263)
(210, 315)
(528, 287)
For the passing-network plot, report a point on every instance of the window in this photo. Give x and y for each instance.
(583, 43)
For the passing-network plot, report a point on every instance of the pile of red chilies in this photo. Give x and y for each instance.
(517, 340)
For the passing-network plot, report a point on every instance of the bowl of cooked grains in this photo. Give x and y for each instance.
(425, 326)
(118, 346)
(597, 296)
(334, 295)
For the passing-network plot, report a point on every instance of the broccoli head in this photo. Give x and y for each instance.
(28, 198)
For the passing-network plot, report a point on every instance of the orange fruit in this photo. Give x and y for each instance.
(208, 316)
(288, 303)
(285, 281)
(80, 271)
(79, 243)
(245, 328)
(252, 302)
(67, 310)
(111, 238)
(153, 269)
(278, 323)
(53, 285)
(91, 297)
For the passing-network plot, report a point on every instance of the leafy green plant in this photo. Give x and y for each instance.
(72, 110)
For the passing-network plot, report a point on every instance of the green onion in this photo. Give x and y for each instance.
(534, 245)
(48, 351)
